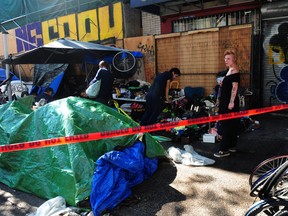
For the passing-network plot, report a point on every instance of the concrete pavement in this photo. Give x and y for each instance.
(176, 189)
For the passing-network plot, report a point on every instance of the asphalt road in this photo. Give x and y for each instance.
(177, 189)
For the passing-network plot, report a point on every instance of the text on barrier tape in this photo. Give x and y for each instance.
(135, 130)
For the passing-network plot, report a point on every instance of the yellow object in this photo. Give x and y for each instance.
(174, 83)
(119, 109)
(118, 92)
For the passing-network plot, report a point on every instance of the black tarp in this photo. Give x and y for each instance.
(64, 51)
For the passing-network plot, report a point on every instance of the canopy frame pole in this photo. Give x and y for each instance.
(5, 49)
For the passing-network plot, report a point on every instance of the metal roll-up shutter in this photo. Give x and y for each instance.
(275, 10)
(275, 56)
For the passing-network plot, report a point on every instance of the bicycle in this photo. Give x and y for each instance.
(266, 166)
(276, 207)
(271, 187)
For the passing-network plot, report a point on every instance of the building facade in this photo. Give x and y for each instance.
(191, 35)
(194, 35)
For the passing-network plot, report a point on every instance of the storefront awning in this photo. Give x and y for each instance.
(149, 6)
(142, 3)
(157, 6)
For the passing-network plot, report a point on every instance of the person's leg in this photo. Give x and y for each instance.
(153, 108)
(146, 117)
(224, 144)
(226, 139)
(234, 127)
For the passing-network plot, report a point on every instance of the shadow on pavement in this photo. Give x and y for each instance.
(179, 189)
(253, 147)
(153, 193)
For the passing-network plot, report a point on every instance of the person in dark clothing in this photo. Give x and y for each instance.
(106, 87)
(157, 95)
(47, 95)
(229, 102)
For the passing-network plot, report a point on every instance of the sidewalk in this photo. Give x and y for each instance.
(176, 189)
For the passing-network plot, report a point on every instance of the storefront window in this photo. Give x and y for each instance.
(219, 20)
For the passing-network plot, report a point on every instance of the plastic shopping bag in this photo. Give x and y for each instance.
(93, 90)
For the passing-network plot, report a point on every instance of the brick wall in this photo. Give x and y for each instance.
(150, 24)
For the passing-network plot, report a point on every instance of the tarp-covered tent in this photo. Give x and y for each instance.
(4, 77)
(53, 58)
(64, 170)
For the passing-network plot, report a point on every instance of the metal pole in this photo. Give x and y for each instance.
(5, 48)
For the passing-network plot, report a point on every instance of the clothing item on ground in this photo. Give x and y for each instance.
(189, 156)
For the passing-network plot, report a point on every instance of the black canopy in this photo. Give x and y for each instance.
(64, 51)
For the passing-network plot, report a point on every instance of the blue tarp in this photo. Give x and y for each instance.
(3, 75)
(54, 85)
(116, 173)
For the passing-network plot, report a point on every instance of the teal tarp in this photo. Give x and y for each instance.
(64, 170)
(22, 12)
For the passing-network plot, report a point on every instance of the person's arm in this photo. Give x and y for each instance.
(233, 95)
(92, 81)
(97, 77)
(167, 91)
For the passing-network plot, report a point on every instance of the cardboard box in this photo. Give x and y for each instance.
(209, 138)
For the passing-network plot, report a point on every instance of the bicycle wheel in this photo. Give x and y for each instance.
(266, 166)
(275, 207)
(270, 188)
(258, 184)
(280, 188)
(124, 65)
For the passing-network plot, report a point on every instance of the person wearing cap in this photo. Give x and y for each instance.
(47, 95)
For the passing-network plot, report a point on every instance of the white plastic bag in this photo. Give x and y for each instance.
(54, 207)
(93, 90)
(175, 154)
(189, 156)
(50, 207)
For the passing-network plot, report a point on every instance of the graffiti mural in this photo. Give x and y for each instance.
(278, 45)
(276, 50)
(145, 45)
(93, 25)
(31, 33)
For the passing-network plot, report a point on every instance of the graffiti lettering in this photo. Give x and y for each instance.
(31, 33)
(146, 48)
(92, 25)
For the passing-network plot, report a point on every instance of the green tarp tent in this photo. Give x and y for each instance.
(64, 170)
